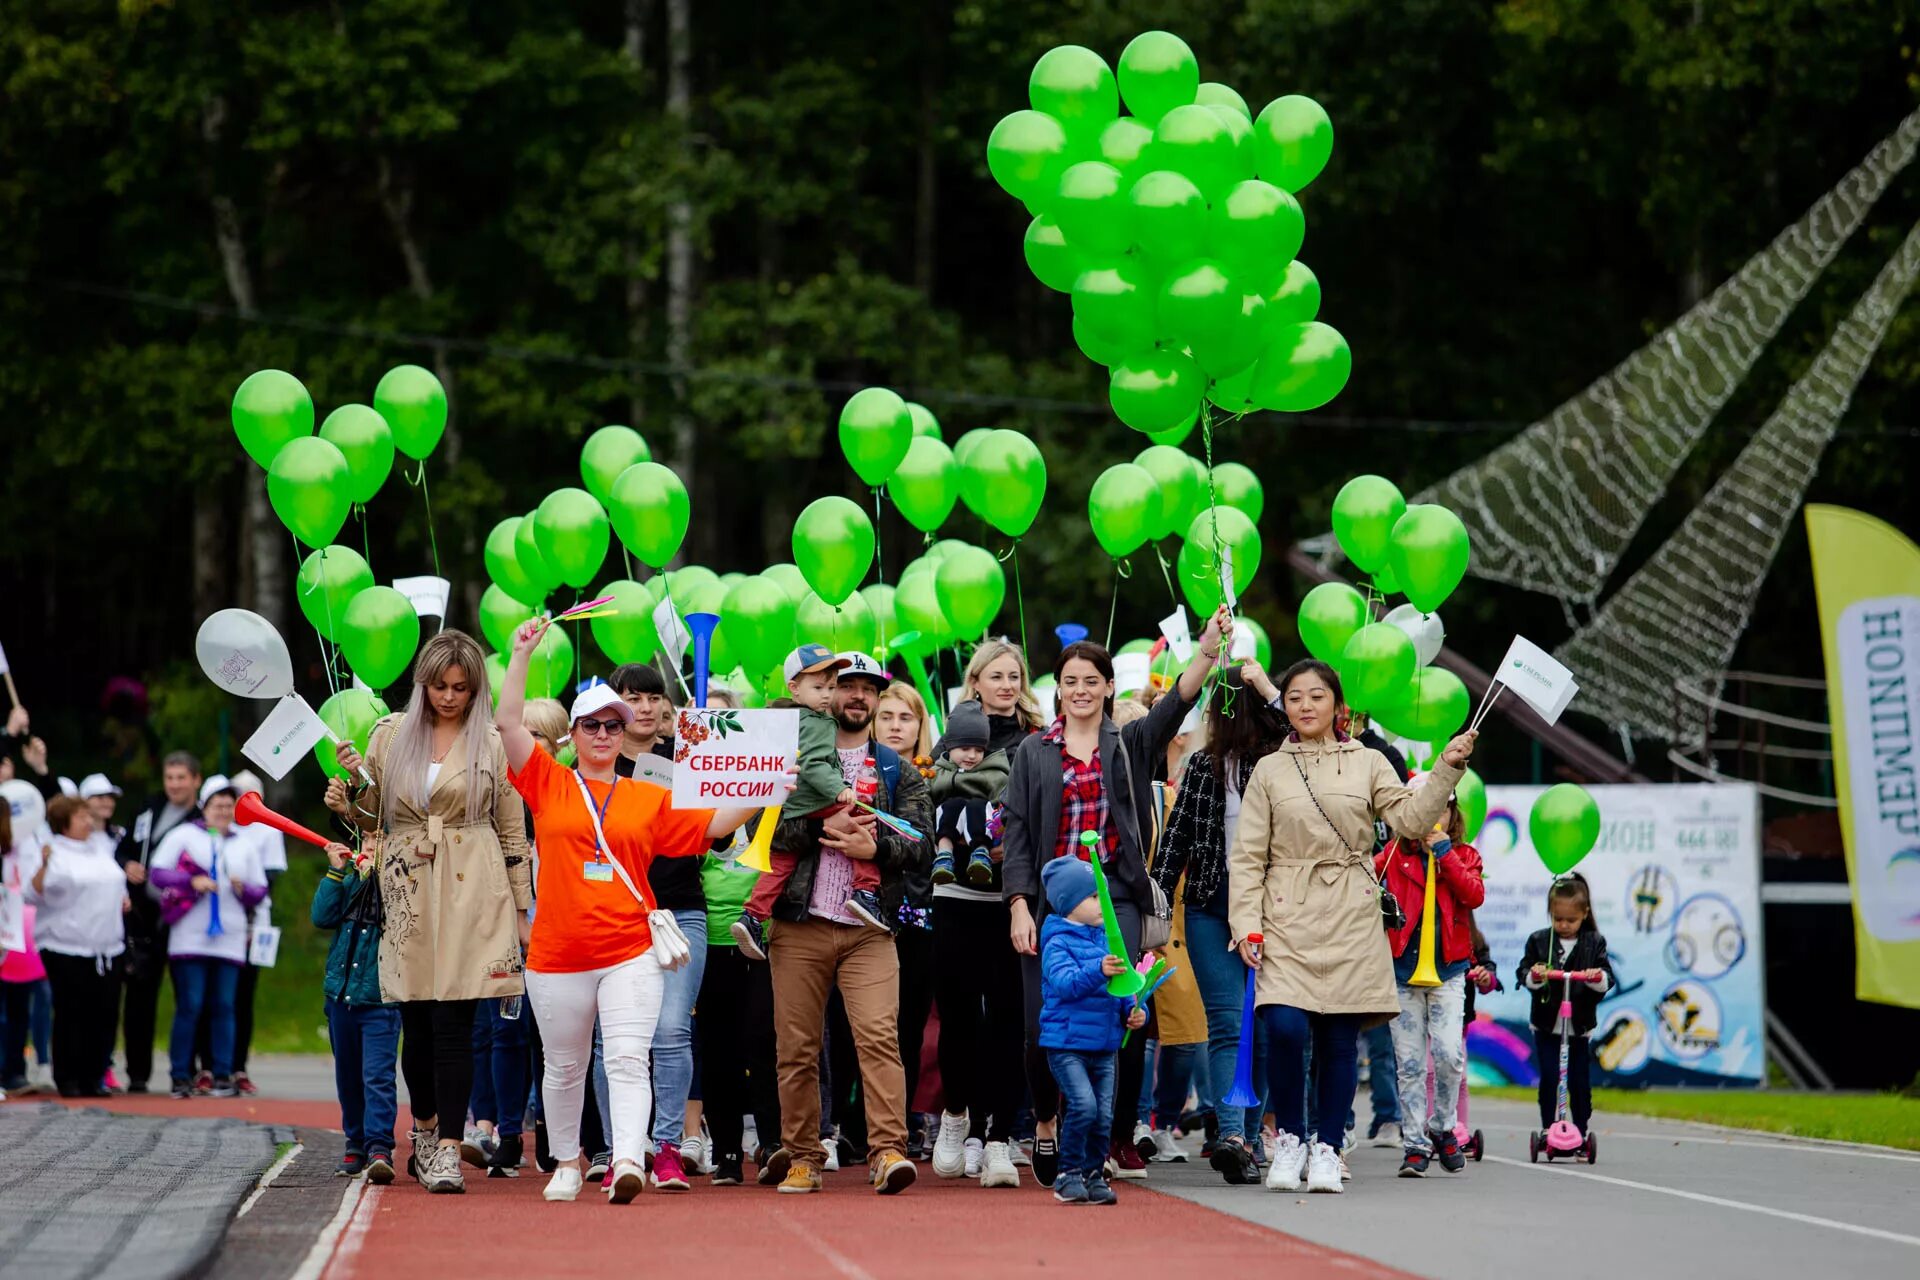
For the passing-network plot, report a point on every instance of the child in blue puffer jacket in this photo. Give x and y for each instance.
(1080, 1026)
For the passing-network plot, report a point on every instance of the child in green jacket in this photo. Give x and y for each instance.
(364, 1031)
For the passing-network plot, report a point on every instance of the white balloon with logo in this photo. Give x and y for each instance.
(242, 653)
(1428, 633)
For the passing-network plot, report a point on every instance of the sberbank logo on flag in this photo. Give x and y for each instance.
(291, 725)
(1541, 682)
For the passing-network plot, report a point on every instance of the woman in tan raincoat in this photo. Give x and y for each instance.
(455, 883)
(1301, 876)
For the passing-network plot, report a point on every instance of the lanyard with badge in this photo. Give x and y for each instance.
(596, 869)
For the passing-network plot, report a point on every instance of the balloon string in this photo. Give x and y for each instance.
(432, 540)
(1113, 610)
(327, 660)
(1213, 514)
(366, 544)
(879, 554)
(1019, 597)
(1166, 572)
(627, 557)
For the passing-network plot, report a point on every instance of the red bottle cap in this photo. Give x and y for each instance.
(1256, 938)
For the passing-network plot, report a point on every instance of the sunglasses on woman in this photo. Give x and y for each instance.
(594, 728)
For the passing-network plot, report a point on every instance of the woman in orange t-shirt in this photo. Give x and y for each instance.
(589, 952)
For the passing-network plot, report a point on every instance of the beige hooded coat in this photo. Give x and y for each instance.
(1292, 879)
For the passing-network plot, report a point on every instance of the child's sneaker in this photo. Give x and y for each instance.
(203, 1084)
(182, 1088)
(352, 1165)
(943, 867)
(222, 1088)
(380, 1167)
(979, 869)
(751, 933)
(1070, 1189)
(1098, 1192)
(865, 904)
(1448, 1144)
(1413, 1164)
(1289, 1158)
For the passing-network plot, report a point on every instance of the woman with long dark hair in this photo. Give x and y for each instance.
(1300, 874)
(1085, 773)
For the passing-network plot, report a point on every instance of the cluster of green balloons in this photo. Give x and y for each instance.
(1421, 550)
(1174, 229)
(1165, 492)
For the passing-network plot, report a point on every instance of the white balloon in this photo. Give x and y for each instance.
(28, 810)
(242, 653)
(1428, 633)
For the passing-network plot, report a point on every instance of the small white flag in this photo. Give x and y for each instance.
(1047, 698)
(1244, 646)
(288, 733)
(429, 594)
(1227, 592)
(1179, 637)
(1131, 672)
(1541, 682)
(4, 668)
(674, 636)
(264, 947)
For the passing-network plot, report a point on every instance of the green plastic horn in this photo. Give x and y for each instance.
(1129, 981)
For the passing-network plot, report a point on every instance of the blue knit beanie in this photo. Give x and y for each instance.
(1068, 882)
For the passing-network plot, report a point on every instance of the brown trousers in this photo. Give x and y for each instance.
(808, 960)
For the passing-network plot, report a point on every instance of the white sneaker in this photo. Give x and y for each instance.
(998, 1169)
(950, 1146)
(833, 1155)
(1323, 1169)
(976, 1156)
(476, 1148)
(696, 1153)
(1166, 1150)
(624, 1181)
(1143, 1142)
(565, 1184)
(443, 1172)
(1350, 1141)
(1288, 1157)
(1020, 1156)
(1388, 1137)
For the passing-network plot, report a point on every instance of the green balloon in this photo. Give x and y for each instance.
(270, 409)
(1471, 795)
(503, 563)
(378, 635)
(1364, 512)
(711, 597)
(649, 510)
(307, 485)
(1376, 665)
(833, 545)
(1212, 93)
(942, 549)
(1025, 153)
(1100, 350)
(1124, 508)
(526, 550)
(875, 430)
(972, 588)
(916, 601)
(1262, 643)
(1241, 158)
(1296, 298)
(1306, 366)
(886, 621)
(550, 667)
(608, 452)
(1156, 390)
(1329, 616)
(1167, 216)
(365, 441)
(1195, 141)
(1123, 144)
(1117, 304)
(1431, 707)
(1236, 486)
(1091, 208)
(329, 578)
(1075, 86)
(497, 678)
(688, 583)
(1384, 582)
(1180, 493)
(1234, 350)
(1563, 825)
(1176, 435)
(924, 423)
(500, 616)
(414, 404)
(351, 714)
(790, 580)
(1009, 478)
(1256, 226)
(1230, 530)
(1158, 72)
(1054, 263)
(1199, 305)
(759, 620)
(627, 635)
(1199, 579)
(1233, 392)
(571, 531)
(1292, 141)
(849, 627)
(926, 484)
(1430, 551)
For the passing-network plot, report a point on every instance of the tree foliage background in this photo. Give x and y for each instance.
(713, 221)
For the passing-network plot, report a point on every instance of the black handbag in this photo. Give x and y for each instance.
(1392, 917)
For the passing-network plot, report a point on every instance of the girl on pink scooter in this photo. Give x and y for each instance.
(1572, 944)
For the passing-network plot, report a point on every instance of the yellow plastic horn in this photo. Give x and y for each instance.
(759, 852)
(1425, 972)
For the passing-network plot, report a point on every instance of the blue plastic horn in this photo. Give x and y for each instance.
(701, 627)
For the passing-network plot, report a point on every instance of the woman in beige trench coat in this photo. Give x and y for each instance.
(1300, 875)
(455, 883)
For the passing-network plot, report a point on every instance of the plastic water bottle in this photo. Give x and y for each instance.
(866, 783)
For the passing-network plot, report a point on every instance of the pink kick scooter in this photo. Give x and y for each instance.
(1563, 1137)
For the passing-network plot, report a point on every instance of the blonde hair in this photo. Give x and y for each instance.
(546, 718)
(909, 697)
(1127, 710)
(1026, 710)
(409, 745)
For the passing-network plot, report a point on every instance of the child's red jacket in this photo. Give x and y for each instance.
(1462, 887)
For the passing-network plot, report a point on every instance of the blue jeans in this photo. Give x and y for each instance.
(1086, 1104)
(500, 1067)
(1221, 976)
(202, 984)
(1333, 1039)
(1180, 1069)
(366, 1057)
(1382, 1077)
(673, 1035)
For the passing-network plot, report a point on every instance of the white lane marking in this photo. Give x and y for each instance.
(1784, 1143)
(266, 1179)
(1724, 1203)
(356, 1233)
(316, 1260)
(840, 1262)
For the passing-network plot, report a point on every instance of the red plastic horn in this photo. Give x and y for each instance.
(250, 808)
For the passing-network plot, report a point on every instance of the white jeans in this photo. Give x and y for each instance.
(627, 999)
(1431, 1021)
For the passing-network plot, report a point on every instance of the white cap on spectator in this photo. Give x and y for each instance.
(599, 697)
(96, 784)
(218, 784)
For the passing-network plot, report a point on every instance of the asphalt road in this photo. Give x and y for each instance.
(1665, 1200)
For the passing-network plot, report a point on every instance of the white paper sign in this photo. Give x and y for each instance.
(1244, 646)
(4, 668)
(288, 733)
(1227, 592)
(1179, 637)
(1047, 698)
(674, 636)
(1130, 673)
(955, 696)
(727, 759)
(264, 947)
(429, 594)
(1543, 683)
(655, 769)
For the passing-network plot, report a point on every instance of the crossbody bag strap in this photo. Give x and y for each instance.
(600, 838)
(1338, 834)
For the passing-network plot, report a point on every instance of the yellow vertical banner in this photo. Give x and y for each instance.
(1866, 574)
